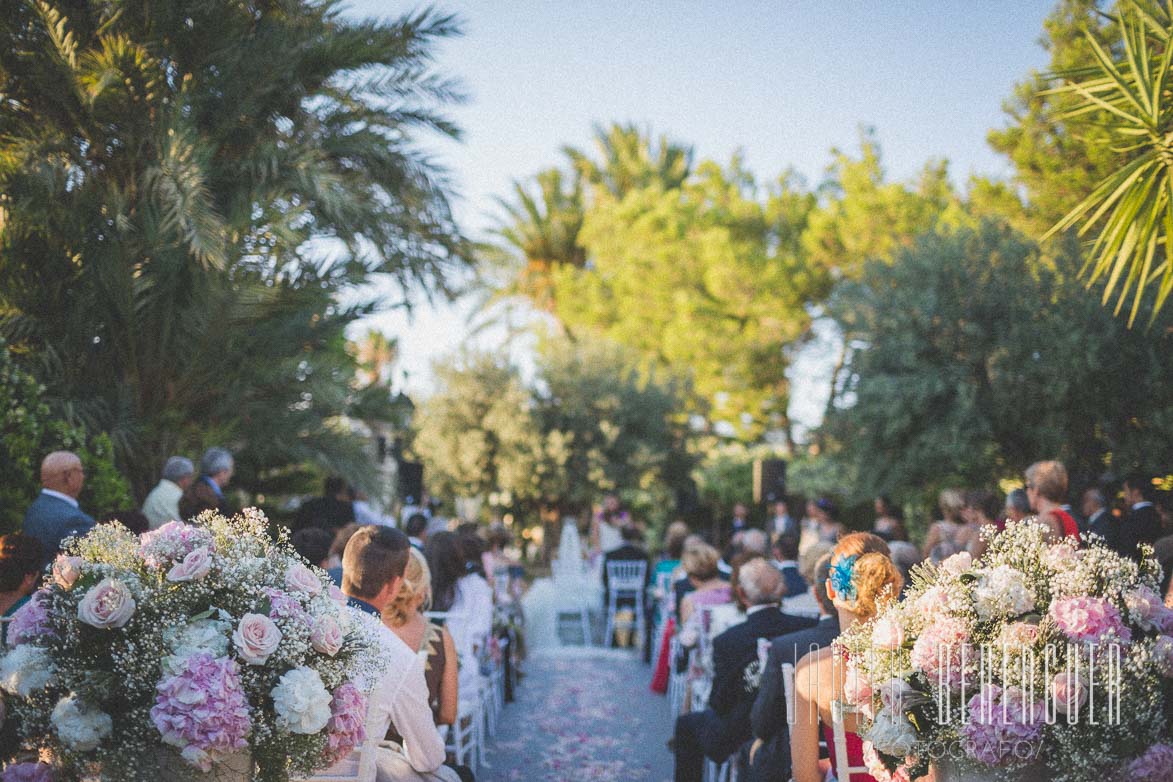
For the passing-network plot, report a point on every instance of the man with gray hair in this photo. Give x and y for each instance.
(1100, 520)
(720, 730)
(207, 491)
(162, 504)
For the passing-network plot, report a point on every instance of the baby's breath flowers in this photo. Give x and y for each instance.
(197, 644)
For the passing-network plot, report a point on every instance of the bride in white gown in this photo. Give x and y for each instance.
(572, 588)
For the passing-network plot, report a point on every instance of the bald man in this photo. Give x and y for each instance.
(54, 514)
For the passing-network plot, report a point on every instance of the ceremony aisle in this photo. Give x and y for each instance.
(582, 714)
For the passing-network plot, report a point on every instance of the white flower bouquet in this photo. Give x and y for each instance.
(1041, 660)
(189, 648)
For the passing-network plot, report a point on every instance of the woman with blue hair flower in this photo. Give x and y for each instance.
(862, 577)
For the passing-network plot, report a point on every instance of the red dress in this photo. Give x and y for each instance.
(854, 755)
(1070, 528)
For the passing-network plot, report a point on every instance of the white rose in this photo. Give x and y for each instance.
(107, 605)
(892, 734)
(80, 727)
(256, 638)
(194, 566)
(26, 669)
(300, 578)
(326, 636)
(1002, 592)
(887, 634)
(301, 701)
(204, 635)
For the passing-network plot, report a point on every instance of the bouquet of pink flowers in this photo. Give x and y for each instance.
(193, 646)
(1040, 660)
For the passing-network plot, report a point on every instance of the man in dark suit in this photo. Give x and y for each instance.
(1142, 524)
(720, 730)
(770, 756)
(332, 511)
(630, 551)
(786, 560)
(55, 515)
(207, 491)
(1100, 520)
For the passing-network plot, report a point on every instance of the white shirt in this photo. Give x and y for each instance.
(472, 619)
(60, 496)
(162, 504)
(1137, 506)
(401, 698)
(365, 514)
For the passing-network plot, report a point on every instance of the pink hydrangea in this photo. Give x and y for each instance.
(944, 654)
(1089, 619)
(283, 605)
(27, 772)
(347, 726)
(879, 770)
(172, 542)
(1004, 728)
(31, 620)
(203, 710)
(1155, 765)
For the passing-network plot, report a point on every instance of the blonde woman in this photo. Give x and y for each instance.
(434, 644)
(862, 578)
(950, 532)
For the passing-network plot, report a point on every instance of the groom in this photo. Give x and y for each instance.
(372, 574)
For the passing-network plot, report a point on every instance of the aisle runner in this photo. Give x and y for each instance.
(582, 714)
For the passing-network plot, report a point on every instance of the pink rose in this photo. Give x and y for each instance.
(1068, 693)
(857, 690)
(256, 637)
(1089, 619)
(336, 594)
(300, 578)
(958, 563)
(192, 567)
(1018, 634)
(1061, 556)
(887, 634)
(934, 603)
(326, 636)
(107, 605)
(1146, 608)
(67, 570)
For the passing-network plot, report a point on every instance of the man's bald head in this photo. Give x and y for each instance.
(62, 471)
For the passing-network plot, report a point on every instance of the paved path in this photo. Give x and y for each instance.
(582, 715)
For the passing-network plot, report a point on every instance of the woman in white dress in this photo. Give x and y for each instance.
(466, 597)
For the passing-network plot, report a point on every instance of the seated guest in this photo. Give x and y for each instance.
(1100, 520)
(162, 504)
(707, 586)
(630, 551)
(20, 571)
(1017, 505)
(466, 596)
(313, 544)
(134, 520)
(770, 756)
(981, 515)
(1142, 523)
(1046, 488)
(830, 529)
(374, 563)
(55, 515)
(417, 530)
(674, 538)
(433, 644)
(905, 556)
(786, 560)
(862, 578)
(889, 523)
(332, 511)
(473, 548)
(720, 730)
(207, 491)
(783, 523)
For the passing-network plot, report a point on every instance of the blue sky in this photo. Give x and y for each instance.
(782, 82)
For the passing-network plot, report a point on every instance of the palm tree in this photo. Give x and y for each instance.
(630, 160)
(1129, 215)
(543, 229)
(187, 188)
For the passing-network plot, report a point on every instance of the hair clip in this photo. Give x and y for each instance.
(841, 577)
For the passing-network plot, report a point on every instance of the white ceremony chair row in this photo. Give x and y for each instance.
(626, 581)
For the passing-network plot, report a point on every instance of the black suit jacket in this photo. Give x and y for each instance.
(769, 718)
(1142, 525)
(1106, 527)
(734, 650)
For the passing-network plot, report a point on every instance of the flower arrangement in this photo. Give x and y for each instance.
(185, 649)
(1041, 660)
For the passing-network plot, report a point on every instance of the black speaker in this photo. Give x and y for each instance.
(769, 480)
(411, 482)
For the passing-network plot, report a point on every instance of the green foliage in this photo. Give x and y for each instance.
(28, 432)
(594, 422)
(973, 356)
(1130, 211)
(188, 193)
